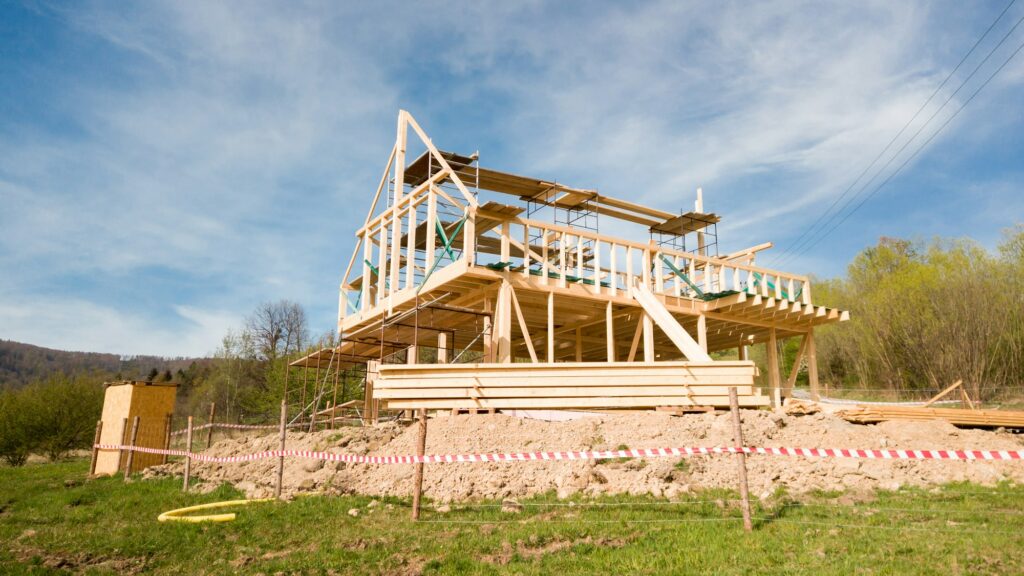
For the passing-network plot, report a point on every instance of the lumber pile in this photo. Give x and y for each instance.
(958, 417)
(565, 385)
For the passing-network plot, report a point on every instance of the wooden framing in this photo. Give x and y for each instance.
(477, 280)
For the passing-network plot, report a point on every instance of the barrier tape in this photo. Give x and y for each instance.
(249, 426)
(591, 454)
(239, 427)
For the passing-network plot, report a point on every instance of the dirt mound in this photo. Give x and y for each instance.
(660, 476)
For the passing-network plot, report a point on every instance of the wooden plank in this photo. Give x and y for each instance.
(522, 326)
(695, 382)
(555, 391)
(668, 324)
(618, 402)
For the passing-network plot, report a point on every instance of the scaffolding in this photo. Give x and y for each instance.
(537, 305)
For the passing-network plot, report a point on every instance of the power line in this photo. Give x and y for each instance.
(800, 241)
(918, 151)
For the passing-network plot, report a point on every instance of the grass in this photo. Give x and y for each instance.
(51, 521)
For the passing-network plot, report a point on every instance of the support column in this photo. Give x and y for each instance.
(702, 332)
(551, 327)
(442, 347)
(812, 365)
(371, 375)
(648, 325)
(609, 330)
(488, 339)
(774, 383)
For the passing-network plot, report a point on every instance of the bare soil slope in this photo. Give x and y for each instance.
(660, 477)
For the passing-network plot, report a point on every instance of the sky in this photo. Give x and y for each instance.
(167, 166)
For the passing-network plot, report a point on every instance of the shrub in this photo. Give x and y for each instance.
(51, 417)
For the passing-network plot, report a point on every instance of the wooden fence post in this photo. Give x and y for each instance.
(280, 459)
(734, 407)
(188, 453)
(95, 450)
(167, 436)
(123, 436)
(421, 446)
(131, 447)
(209, 433)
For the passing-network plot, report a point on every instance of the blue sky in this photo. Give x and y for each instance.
(165, 167)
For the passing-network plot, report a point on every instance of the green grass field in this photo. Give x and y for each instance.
(53, 521)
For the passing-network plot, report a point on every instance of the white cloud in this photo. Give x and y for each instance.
(75, 324)
(238, 147)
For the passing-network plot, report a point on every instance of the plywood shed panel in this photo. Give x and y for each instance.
(122, 402)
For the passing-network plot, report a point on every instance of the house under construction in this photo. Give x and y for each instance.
(475, 289)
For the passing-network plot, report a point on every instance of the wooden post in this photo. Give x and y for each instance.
(774, 382)
(95, 450)
(812, 365)
(421, 446)
(368, 408)
(209, 431)
(188, 452)
(167, 436)
(702, 332)
(123, 436)
(334, 400)
(734, 407)
(442, 347)
(131, 447)
(280, 459)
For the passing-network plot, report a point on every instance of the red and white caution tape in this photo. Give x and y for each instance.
(238, 427)
(594, 454)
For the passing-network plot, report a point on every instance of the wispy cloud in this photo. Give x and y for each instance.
(199, 157)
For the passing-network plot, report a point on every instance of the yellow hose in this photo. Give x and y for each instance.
(177, 515)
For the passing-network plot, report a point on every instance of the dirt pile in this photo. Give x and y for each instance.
(661, 476)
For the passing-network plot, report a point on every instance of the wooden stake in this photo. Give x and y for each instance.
(209, 432)
(167, 436)
(131, 447)
(123, 436)
(188, 451)
(734, 407)
(280, 459)
(95, 450)
(421, 446)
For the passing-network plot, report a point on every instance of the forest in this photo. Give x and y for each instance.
(923, 315)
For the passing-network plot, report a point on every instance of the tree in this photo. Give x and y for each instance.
(277, 328)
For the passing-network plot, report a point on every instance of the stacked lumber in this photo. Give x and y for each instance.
(958, 417)
(565, 385)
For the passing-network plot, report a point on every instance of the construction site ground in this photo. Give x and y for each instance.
(659, 477)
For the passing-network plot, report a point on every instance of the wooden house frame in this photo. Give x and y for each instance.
(453, 301)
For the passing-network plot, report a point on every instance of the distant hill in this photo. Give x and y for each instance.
(22, 363)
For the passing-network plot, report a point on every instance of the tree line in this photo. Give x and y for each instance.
(926, 314)
(923, 314)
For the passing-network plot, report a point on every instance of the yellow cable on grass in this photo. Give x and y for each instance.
(177, 515)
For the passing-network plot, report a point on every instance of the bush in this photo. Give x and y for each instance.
(51, 417)
(16, 440)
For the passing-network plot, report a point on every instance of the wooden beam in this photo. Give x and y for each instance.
(609, 332)
(812, 365)
(657, 312)
(773, 366)
(795, 370)
(522, 325)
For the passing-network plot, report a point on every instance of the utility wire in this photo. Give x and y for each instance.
(799, 242)
(916, 152)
